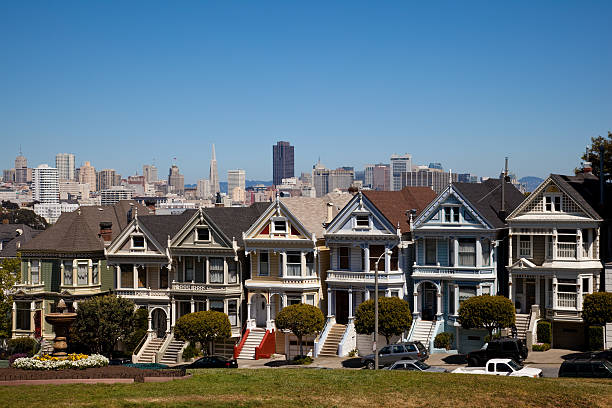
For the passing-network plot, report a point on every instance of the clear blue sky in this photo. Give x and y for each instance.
(463, 83)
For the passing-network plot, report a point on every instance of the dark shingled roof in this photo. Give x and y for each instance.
(233, 221)
(162, 226)
(394, 204)
(13, 240)
(585, 190)
(78, 231)
(485, 197)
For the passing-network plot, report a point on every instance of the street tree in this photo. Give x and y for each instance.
(301, 320)
(592, 155)
(487, 312)
(10, 273)
(203, 327)
(394, 317)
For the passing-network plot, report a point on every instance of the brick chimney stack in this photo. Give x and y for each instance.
(106, 231)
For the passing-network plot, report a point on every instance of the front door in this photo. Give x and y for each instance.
(159, 322)
(530, 295)
(341, 307)
(37, 324)
(261, 314)
(429, 304)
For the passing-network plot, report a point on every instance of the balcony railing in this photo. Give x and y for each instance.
(348, 276)
(142, 292)
(203, 287)
(29, 288)
(450, 271)
(566, 300)
(566, 250)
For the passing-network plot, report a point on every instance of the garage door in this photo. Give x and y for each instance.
(568, 335)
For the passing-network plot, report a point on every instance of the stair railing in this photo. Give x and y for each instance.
(162, 350)
(139, 348)
(320, 340)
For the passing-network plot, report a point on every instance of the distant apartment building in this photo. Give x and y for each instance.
(326, 181)
(52, 211)
(378, 179)
(236, 178)
(8, 175)
(22, 173)
(426, 177)
(320, 179)
(282, 162)
(45, 184)
(113, 195)
(149, 172)
(87, 175)
(398, 165)
(106, 179)
(72, 190)
(203, 188)
(176, 181)
(64, 162)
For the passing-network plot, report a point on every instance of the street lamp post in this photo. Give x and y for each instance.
(375, 347)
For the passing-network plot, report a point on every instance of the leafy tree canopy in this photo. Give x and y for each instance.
(301, 320)
(592, 155)
(203, 327)
(22, 216)
(487, 312)
(597, 308)
(394, 317)
(102, 321)
(10, 273)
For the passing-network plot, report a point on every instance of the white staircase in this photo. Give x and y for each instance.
(46, 346)
(171, 355)
(522, 325)
(330, 347)
(253, 340)
(422, 331)
(150, 349)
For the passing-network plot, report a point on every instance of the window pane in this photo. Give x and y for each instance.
(188, 269)
(94, 273)
(203, 234)
(232, 270)
(216, 270)
(82, 274)
(362, 221)
(310, 270)
(344, 254)
(466, 292)
(163, 278)
(127, 276)
(375, 252)
(217, 306)
(263, 264)
(68, 273)
(34, 271)
(137, 242)
(232, 312)
(430, 251)
(294, 265)
(455, 214)
(142, 277)
(486, 252)
(467, 252)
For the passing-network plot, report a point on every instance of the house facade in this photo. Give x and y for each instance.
(370, 232)
(458, 240)
(554, 253)
(66, 261)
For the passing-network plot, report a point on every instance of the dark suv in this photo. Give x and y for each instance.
(411, 350)
(500, 348)
(586, 368)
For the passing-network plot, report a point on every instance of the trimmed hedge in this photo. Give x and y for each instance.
(544, 331)
(23, 345)
(597, 308)
(595, 337)
(541, 347)
(444, 340)
(190, 352)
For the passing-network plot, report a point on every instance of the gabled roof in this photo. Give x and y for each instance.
(312, 212)
(394, 204)
(485, 198)
(233, 221)
(162, 226)
(78, 231)
(13, 239)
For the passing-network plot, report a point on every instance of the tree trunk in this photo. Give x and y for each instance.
(300, 344)
(387, 338)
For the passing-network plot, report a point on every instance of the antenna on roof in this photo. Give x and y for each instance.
(450, 176)
(502, 212)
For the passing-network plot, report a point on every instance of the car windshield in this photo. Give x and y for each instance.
(515, 366)
(421, 365)
(484, 346)
(607, 364)
(420, 346)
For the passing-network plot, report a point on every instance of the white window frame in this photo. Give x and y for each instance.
(63, 268)
(454, 212)
(549, 199)
(259, 263)
(138, 248)
(197, 237)
(520, 254)
(356, 225)
(38, 272)
(273, 222)
(425, 246)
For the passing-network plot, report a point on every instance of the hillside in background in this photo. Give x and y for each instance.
(531, 182)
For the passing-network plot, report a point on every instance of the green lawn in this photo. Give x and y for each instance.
(310, 387)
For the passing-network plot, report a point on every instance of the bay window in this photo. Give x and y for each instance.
(82, 273)
(34, 272)
(94, 273)
(466, 292)
(68, 273)
(23, 316)
(525, 246)
(232, 271)
(216, 305)
(232, 312)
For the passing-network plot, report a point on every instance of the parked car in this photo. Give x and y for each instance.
(213, 362)
(411, 350)
(512, 348)
(502, 366)
(586, 368)
(415, 365)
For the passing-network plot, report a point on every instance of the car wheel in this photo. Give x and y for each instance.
(473, 362)
(370, 365)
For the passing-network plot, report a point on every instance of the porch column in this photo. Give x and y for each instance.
(387, 260)
(329, 303)
(478, 252)
(554, 245)
(302, 264)
(387, 292)
(579, 290)
(167, 321)
(439, 301)
(173, 308)
(510, 251)
(537, 291)
(14, 316)
(350, 303)
(456, 289)
(511, 293)
(150, 322)
(366, 259)
(578, 243)
(135, 276)
(268, 319)
(284, 300)
(283, 268)
(366, 294)
(554, 291)
(415, 295)
(456, 252)
(32, 313)
(118, 276)
(249, 312)
(192, 302)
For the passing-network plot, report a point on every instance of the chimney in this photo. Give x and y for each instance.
(330, 214)
(504, 178)
(106, 231)
(587, 167)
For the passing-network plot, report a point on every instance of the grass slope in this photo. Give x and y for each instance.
(308, 387)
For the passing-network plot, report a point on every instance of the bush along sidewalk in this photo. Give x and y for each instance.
(444, 340)
(541, 347)
(595, 337)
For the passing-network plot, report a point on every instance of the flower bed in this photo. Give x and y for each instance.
(47, 362)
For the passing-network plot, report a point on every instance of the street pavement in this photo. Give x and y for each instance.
(549, 361)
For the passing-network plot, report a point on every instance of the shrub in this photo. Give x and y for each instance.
(394, 317)
(80, 361)
(544, 332)
(595, 337)
(597, 308)
(541, 347)
(487, 312)
(203, 327)
(141, 324)
(25, 345)
(353, 353)
(444, 340)
(190, 352)
(302, 360)
(301, 320)
(14, 357)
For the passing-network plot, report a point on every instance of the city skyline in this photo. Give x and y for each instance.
(523, 80)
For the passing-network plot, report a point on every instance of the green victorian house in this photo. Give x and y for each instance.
(67, 261)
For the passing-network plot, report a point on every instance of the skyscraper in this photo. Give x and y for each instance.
(87, 175)
(282, 162)
(214, 175)
(235, 178)
(203, 188)
(21, 169)
(64, 162)
(45, 184)
(176, 181)
(399, 164)
(105, 179)
(149, 171)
